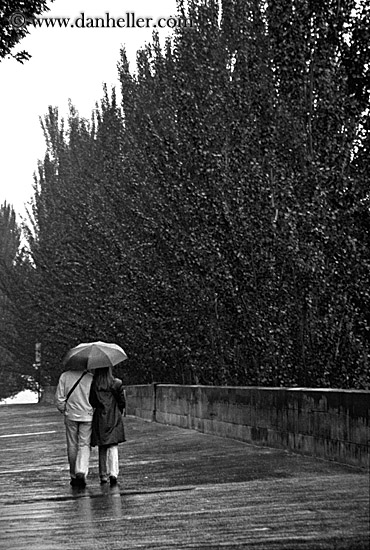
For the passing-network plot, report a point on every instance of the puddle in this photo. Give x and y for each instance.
(82, 493)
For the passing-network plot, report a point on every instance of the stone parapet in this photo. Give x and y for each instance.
(326, 423)
(47, 395)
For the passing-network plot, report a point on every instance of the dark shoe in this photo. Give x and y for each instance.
(80, 480)
(74, 482)
(112, 481)
(103, 479)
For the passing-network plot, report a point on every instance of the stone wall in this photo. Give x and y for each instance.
(141, 401)
(47, 395)
(331, 424)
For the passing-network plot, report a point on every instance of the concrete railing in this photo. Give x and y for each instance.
(331, 424)
(47, 395)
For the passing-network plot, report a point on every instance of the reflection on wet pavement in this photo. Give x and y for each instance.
(177, 489)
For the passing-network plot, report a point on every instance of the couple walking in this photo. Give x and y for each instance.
(92, 406)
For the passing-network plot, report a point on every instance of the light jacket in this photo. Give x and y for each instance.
(77, 407)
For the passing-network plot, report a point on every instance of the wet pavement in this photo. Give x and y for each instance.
(177, 489)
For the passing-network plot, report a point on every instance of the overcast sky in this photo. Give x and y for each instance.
(67, 63)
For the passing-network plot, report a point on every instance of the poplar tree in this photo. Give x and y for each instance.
(16, 346)
(216, 223)
(15, 18)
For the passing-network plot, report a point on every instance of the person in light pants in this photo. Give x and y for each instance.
(107, 397)
(78, 415)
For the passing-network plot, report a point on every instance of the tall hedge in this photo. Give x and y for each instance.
(215, 224)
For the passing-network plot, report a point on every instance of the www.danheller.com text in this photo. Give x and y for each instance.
(128, 20)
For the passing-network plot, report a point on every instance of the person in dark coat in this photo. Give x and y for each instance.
(107, 396)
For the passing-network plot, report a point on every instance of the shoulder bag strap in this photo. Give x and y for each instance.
(75, 385)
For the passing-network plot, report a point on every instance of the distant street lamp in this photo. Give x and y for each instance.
(37, 366)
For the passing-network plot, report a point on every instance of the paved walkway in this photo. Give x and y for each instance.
(178, 489)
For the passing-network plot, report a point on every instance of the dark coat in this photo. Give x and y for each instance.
(107, 424)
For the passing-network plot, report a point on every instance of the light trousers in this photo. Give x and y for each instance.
(108, 461)
(78, 436)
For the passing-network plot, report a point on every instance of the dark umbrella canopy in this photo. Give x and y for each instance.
(94, 355)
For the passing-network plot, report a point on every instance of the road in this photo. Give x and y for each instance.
(178, 489)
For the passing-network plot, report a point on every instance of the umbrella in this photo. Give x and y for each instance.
(94, 355)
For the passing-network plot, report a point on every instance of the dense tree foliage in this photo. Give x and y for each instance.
(15, 17)
(216, 225)
(16, 363)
